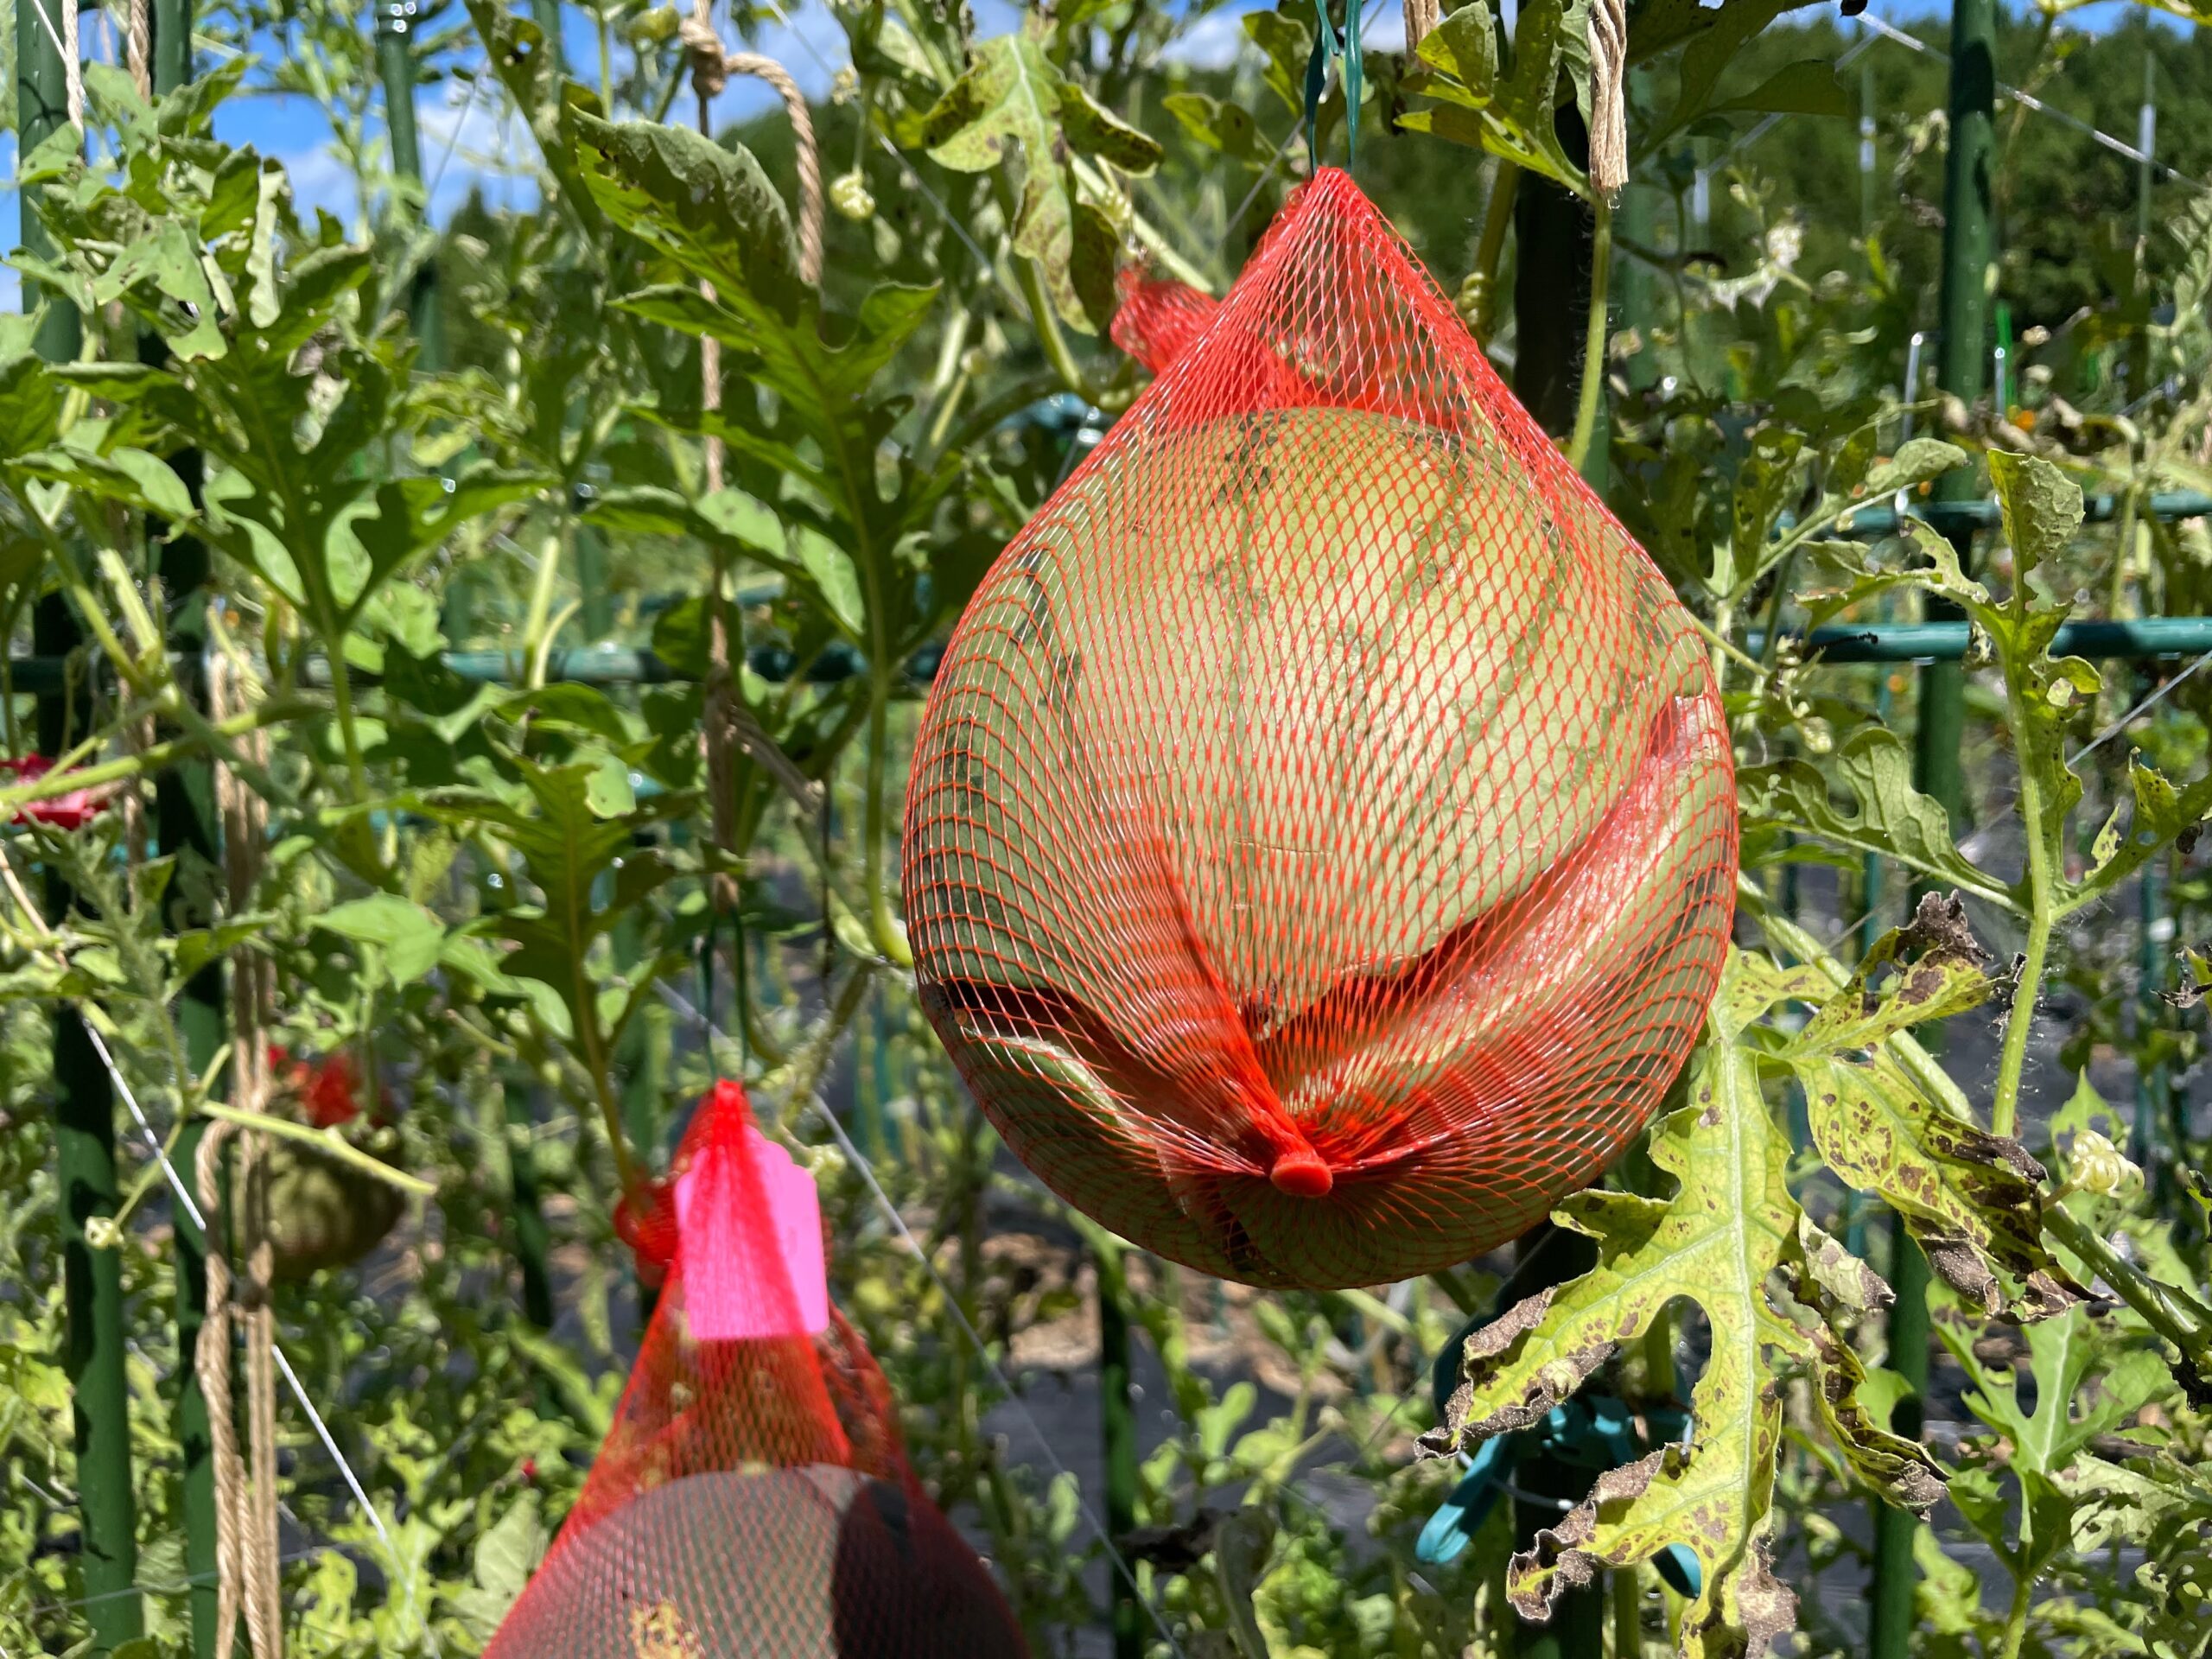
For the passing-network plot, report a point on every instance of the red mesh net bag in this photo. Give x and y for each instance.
(1320, 847)
(1158, 316)
(752, 1500)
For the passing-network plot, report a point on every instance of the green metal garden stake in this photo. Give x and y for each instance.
(1969, 257)
(395, 67)
(531, 1239)
(83, 1136)
(1118, 1435)
(84, 1108)
(185, 824)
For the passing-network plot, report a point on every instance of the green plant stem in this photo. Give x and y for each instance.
(151, 1174)
(538, 628)
(2042, 877)
(153, 758)
(1771, 646)
(323, 1140)
(89, 609)
(888, 937)
(1594, 340)
(1118, 1438)
(341, 699)
(2173, 1313)
(1047, 322)
(1627, 1618)
(2005, 1107)
(1149, 236)
(1724, 622)
(2016, 1615)
(1496, 221)
(1722, 648)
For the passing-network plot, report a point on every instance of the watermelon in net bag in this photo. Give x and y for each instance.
(1320, 847)
(752, 1500)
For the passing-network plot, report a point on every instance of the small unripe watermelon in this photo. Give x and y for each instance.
(323, 1212)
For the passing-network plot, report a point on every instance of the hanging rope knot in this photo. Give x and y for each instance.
(1608, 96)
(710, 63)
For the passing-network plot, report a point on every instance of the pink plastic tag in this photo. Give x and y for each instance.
(746, 1275)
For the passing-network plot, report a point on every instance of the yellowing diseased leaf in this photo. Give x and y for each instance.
(2102, 850)
(1969, 1197)
(1729, 1240)
(1929, 968)
(2164, 817)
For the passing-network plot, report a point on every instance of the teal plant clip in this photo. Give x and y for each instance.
(1328, 46)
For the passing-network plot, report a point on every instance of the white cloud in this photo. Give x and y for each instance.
(1382, 28)
(1214, 44)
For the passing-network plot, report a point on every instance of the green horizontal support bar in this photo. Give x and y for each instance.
(1888, 642)
(590, 665)
(1873, 522)
(1914, 642)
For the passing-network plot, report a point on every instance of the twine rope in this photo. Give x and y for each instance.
(65, 47)
(1608, 96)
(248, 1579)
(138, 48)
(73, 67)
(727, 724)
(1422, 18)
(711, 69)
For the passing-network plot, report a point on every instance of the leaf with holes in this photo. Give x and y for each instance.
(1729, 1241)
(1970, 1199)
(1014, 98)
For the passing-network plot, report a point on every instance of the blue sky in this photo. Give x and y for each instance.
(466, 147)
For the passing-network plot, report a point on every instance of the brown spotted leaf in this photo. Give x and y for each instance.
(1969, 1197)
(1729, 1241)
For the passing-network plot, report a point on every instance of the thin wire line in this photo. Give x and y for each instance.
(2159, 696)
(898, 1221)
(192, 1209)
(453, 143)
(1752, 135)
(2117, 146)
(959, 1314)
(189, 1581)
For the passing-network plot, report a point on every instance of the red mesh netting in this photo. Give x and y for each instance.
(752, 1500)
(1321, 847)
(1158, 316)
